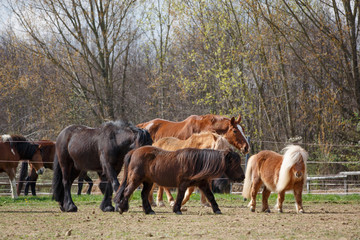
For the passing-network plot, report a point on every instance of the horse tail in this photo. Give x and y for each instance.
(248, 178)
(22, 176)
(57, 185)
(120, 192)
(292, 155)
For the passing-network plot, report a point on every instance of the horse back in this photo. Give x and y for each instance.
(268, 164)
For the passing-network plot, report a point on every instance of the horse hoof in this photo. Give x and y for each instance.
(245, 199)
(172, 203)
(108, 209)
(301, 211)
(178, 213)
(280, 210)
(206, 204)
(161, 204)
(153, 204)
(252, 209)
(266, 211)
(62, 208)
(151, 213)
(218, 212)
(71, 209)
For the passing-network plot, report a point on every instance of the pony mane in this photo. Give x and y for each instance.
(25, 149)
(204, 163)
(292, 155)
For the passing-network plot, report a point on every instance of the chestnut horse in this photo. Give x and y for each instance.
(14, 148)
(278, 173)
(81, 148)
(231, 129)
(182, 168)
(199, 140)
(47, 148)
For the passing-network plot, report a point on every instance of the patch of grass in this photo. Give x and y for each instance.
(224, 198)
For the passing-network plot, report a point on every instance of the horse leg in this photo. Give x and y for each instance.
(27, 185)
(124, 201)
(280, 200)
(151, 196)
(69, 175)
(188, 193)
(80, 184)
(180, 196)
(90, 182)
(106, 205)
(254, 190)
(145, 197)
(103, 182)
(298, 198)
(32, 181)
(169, 197)
(11, 173)
(210, 196)
(159, 197)
(265, 196)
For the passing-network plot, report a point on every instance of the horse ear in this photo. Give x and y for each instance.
(232, 120)
(239, 119)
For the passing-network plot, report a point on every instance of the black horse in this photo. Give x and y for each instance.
(81, 148)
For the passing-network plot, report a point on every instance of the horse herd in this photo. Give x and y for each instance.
(181, 155)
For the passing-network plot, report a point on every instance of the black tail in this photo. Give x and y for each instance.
(22, 177)
(120, 192)
(57, 185)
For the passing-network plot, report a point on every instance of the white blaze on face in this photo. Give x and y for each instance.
(242, 133)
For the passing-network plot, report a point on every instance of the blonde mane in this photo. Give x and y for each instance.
(292, 155)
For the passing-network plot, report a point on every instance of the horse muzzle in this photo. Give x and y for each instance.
(40, 171)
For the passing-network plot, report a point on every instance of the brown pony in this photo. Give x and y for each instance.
(199, 140)
(14, 148)
(181, 169)
(278, 174)
(231, 129)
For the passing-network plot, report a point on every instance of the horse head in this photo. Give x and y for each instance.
(298, 170)
(36, 161)
(236, 136)
(233, 166)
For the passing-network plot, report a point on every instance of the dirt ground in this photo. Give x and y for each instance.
(321, 221)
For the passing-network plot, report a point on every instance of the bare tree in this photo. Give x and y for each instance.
(86, 40)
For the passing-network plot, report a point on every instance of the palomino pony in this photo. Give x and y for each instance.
(182, 168)
(278, 174)
(14, 148)
(199, 140)
(47, 148)
(80, 148)
(231, 129)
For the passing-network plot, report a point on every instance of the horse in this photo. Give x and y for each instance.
(81, 148)
(278, 173)
(181, 169)
(14, 148)
(47, 148)
(199, 140)
(231, 129)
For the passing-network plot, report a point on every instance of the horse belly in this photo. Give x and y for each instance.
(166, 178)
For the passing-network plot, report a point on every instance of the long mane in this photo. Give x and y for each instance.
(25, 149)
(204, 164)
(292, 155)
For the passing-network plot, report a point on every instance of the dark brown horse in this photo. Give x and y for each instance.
(231, 129)
(278, 173)
(47, 148)
(14, 148)
(81, 148)
(182, 168)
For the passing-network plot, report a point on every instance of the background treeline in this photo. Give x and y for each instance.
(291, 68)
